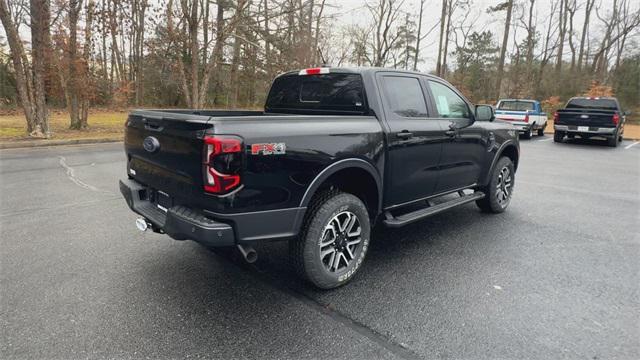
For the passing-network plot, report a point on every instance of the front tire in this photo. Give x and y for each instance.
(499, 191)
(334, 240)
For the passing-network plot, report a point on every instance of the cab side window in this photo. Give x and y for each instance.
(448, 103)
(404, 96)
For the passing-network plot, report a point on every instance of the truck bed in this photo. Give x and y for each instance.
(268, 181)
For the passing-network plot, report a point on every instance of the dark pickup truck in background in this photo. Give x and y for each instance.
(334, 151)
(588, 117)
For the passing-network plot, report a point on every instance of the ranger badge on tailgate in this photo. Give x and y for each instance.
(268, 149)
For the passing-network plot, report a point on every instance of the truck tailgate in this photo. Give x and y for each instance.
(164, 150)
(586, 117)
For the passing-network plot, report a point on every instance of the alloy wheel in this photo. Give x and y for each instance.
(504, 186)
(340, 240)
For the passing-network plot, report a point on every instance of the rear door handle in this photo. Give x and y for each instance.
(451, 133)
(404, 134)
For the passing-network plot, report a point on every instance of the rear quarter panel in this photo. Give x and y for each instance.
(312, 143)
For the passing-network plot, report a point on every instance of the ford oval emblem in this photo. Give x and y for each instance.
(151, 144)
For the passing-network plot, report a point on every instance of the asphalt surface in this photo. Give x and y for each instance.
(556, 276)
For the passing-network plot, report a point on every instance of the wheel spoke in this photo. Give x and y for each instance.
(336, 262)
(352, 222)
(343, 226)
(332, 259)
(329, 236)
(324, 254)
(340, 241)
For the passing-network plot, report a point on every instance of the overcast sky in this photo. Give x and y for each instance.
(354, 12)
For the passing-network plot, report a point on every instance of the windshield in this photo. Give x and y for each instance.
(584, 103)
(328, 93)
(516, 105)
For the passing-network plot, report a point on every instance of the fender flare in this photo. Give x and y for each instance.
(501, 149)
(341, 165)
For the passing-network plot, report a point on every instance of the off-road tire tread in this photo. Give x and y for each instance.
(488, 203)
(298, 253)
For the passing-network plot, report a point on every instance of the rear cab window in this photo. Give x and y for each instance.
(515, 105)
(404, 96)
(592, 103)
(333, 93)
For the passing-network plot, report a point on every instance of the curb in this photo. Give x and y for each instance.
(42, 143)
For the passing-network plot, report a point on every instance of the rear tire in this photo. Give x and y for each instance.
(613, 141)
(529, 133)
(558, 136)
(334, 240)
(499, 191)
(541, 130)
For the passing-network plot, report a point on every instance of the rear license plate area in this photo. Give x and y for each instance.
(583, 128)
(162, 200)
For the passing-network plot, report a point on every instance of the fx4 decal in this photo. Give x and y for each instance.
(268, 149)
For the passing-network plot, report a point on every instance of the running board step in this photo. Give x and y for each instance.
(404, 219)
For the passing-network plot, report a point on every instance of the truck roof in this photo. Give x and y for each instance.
(363, 70)
(529, 100)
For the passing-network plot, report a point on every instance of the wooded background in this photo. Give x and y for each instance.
(80, 54)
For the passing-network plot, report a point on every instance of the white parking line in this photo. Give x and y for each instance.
(546, 139)
(631, 145)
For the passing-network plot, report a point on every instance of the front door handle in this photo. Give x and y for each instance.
(404, 134)
(451, 133)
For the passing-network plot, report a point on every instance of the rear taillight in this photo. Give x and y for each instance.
(222, 163)
(555, 116)
(616, 119)
(526, 118)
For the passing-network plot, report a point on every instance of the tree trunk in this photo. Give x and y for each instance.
(40, 52)
(503, 48)
(234, 70)
(214, 66)
(443, 67)
(531, 33)
(72, 63)
(416, 56)
(24, 82)
(585, 28)
(562, 29)
(443, 18)
(86, 89)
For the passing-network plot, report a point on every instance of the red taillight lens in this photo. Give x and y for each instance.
(222, 163)
(314, 71)
(555, 116)
(526, 118)
(616, 119)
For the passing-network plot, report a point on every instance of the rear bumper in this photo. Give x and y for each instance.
(211, 229)
(591, 130)
(520, 126)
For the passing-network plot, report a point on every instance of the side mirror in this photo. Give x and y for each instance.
(628, 112)
(484, 113)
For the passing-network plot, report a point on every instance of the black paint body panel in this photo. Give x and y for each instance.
(405, 170)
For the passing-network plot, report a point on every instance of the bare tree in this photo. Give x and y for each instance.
(508, 6)
(30, 77)
(585, 28)
(443, 20)
(384, 14)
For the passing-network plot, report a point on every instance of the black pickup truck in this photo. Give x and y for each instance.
(334, 151)
(588, 117)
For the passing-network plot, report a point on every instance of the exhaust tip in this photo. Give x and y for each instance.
(142, 224)
(249, 254)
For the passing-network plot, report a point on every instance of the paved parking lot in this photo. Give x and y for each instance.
(556, 276)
